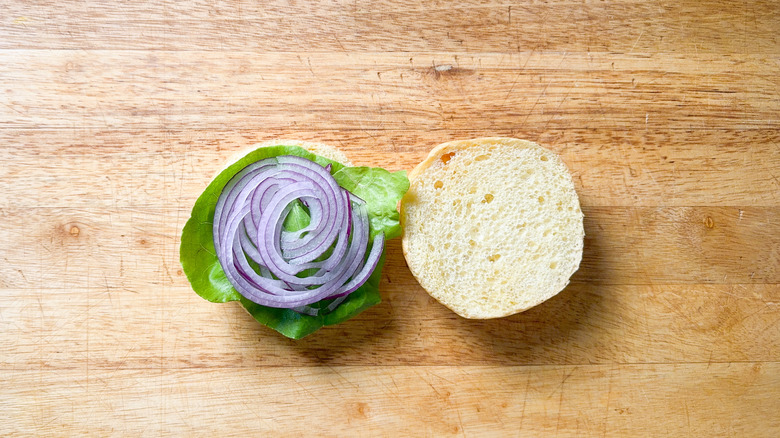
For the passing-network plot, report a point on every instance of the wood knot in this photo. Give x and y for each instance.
(709, 223)
(74, 231)
(361, 410)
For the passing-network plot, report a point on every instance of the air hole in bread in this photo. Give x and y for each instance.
(488, 198)
(553, 265)
(472, 242)
(543, 158)
(438, 185)
(446, 157)
(480, 157)
(541, 199)
(494, 257)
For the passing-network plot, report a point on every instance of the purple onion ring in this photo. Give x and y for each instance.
(265, 263)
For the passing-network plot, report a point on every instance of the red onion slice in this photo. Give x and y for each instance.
(333, 247)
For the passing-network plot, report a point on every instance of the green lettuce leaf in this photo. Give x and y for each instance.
(379, 188)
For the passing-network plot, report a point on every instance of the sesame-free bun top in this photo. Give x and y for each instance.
(492, 226)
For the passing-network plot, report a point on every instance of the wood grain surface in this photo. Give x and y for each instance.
(115, 115)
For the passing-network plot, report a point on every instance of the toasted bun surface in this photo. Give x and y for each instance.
(492, 226)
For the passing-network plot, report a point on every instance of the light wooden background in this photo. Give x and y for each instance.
(114, 115)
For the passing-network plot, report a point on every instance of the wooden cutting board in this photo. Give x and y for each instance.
(115, 116)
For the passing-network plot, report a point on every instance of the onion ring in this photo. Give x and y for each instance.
(266, 263)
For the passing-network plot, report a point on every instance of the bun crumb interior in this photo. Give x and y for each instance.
(492, 226)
